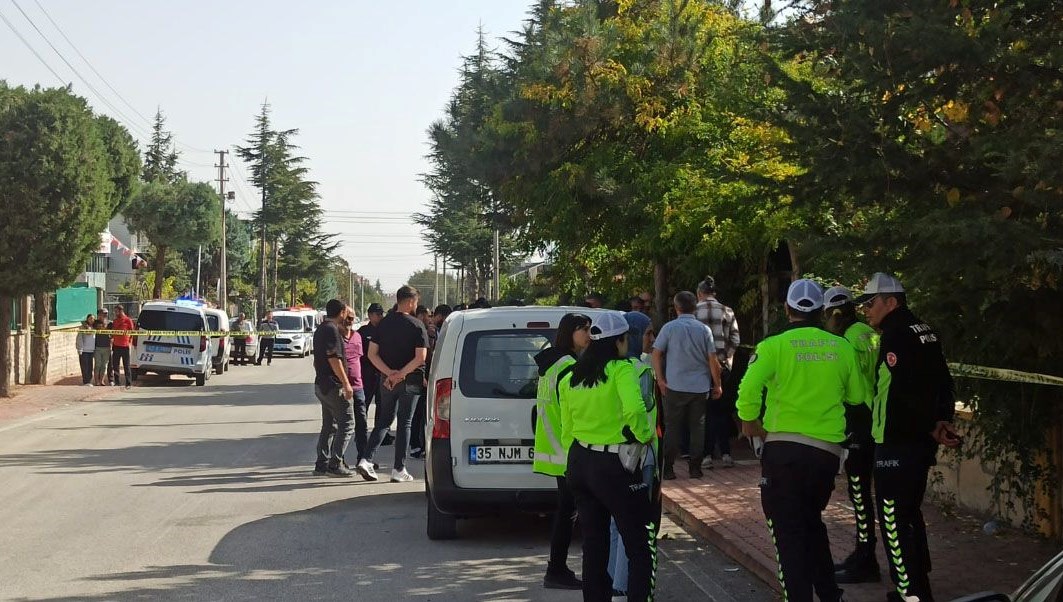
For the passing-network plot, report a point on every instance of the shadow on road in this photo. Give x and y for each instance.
(230, 395)
(362, 548)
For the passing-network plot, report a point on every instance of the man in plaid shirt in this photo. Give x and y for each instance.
(721, 319)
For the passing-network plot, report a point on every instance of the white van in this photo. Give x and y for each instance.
(165, 354)
(295, 335)
(218, 322)
(481, 415)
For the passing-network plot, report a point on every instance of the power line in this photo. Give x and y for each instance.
(87, 62)
(11, 26)
(101, 97)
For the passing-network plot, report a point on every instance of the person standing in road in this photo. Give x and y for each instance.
(606, 427)
(718, 420)
(267, 335)
(688, 373)
(399, 353)
(912, 414)
(240, 340)
(551, 457)
(101, 350)
(809, 374)
(85, 343)
(120, 345)
(861, 566)
(352, 345)
(367, 332)
(333, 389)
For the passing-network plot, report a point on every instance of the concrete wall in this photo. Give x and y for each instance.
(62, 356)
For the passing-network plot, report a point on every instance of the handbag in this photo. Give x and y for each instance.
(414, 383)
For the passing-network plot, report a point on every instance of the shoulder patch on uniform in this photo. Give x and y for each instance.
(752, 357)
(891, 359)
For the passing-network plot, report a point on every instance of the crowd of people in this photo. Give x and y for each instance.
(619, 403)
(104, 357)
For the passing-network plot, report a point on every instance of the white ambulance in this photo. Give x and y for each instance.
(187, 353)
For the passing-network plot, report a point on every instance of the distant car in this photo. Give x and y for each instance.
(294, 333)
(481, 404)
(218, 321)
(250, 338)
(1046, 585)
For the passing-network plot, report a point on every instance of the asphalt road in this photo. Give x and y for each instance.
(174, 491)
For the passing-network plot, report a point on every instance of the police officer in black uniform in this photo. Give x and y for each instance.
(912, 413)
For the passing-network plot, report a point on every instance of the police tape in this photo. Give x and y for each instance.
(1004, 374)
(180, 333)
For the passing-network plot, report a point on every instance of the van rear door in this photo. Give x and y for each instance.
(493, 404)
(164, 349)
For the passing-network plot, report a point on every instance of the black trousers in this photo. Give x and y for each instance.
(795, 486)
(240, 351)
(602, 488)
(265, 348)
(900, 484)
(85, 360)
(120, 356)
(417, 428)
(859, 466)
(561, 531)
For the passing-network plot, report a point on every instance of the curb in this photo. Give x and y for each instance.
(718, 538)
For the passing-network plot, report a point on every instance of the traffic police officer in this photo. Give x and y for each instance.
(861, 566)
(550, 456)
(605, 423)
(809, 374)
(912, 413)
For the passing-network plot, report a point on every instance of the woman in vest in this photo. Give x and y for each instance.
(550, 456)
(605, 424)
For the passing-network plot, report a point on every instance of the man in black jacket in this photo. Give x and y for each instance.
(912, 413)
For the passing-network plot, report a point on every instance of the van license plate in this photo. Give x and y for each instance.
(156, 349)
(501, 454)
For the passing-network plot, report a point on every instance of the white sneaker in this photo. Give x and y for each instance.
(400, 476)
(365, 468)
(727, 461)
(707, 463)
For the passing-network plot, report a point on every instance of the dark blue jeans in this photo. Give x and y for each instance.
(390, 402)
(337, 416)
(361, 424)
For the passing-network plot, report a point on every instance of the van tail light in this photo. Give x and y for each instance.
(202, 343)
(441, 409)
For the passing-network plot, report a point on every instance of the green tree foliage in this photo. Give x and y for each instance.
(124, 161)
(290, 217)
(930, 132)
(58, 181)
(160, 157)
(425, 282)
(175, 216)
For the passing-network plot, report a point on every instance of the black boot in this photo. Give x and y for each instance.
(860, 567)
(561, 578)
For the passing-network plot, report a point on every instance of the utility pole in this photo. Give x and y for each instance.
(350, 288)
(498, 276)
(435, 290)
(223, 281)
(262, 254)
(361, 296)
(445, 280)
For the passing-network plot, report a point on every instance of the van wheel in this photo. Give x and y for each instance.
(440, 524)
(201, 379)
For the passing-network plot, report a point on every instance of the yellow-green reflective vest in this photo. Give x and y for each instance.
(598, 414)
(864, 340)
(551, 457)
(648, 386)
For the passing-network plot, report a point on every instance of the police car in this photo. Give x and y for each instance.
(166, 354)
(295, 331)
(482, 412)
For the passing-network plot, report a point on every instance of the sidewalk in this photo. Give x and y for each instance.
(33, 399)
(724, 507)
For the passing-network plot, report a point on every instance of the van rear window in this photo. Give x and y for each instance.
(501, 363)
(153, 319)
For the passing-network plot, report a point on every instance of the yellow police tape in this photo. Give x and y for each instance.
(1004, 374)
(179, 333)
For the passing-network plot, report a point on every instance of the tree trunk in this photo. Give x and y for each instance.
(293, 290)
(5, 345)
(765, 302)
(42, 305)
(660, 293)
(160, 271)
(795, 266)
(276, 260)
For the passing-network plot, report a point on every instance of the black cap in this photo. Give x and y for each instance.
(375, 308)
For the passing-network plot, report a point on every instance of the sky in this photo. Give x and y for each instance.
(361, 80)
